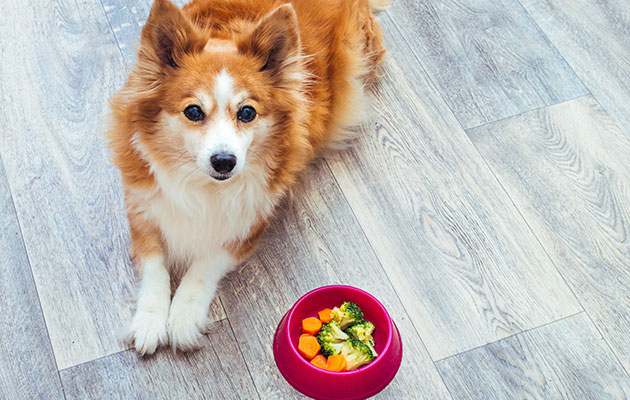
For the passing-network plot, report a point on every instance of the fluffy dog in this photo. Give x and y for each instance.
(228, 103)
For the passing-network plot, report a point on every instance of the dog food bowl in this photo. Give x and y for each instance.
(326, 385)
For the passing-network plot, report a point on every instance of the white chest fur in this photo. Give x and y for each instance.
(197, 216)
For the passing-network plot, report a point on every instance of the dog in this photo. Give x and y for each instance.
(228, 103)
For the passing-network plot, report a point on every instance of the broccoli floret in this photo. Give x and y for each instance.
(356, 353)
(362, 332)
(331, 332)
(331, 338)
(328, 348)
(349, 313)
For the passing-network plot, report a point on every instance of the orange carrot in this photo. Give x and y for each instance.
(336, 363)
(325, 315)
(319, 361)
(311, 325)
(308, 346)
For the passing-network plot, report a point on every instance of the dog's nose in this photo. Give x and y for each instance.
(223, 163)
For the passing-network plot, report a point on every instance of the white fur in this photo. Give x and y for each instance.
(223, 138)
(188, 317)
(223, 89)
(197, 215)
(148, 328)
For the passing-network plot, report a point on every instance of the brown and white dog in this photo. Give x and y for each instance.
(228, 103)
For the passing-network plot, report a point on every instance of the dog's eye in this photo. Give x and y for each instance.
(246, 114)
(193, 112)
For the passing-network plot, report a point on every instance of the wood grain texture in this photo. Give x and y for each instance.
(594, 37)
(487, 58)
(463, 261)
(68, 196)
(217, 371)
(567, 168)
(127, 18)
(27, 364)
(59, 64)
(315, 241)
(563, 360)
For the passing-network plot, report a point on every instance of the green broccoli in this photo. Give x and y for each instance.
(356, 354)
(331, 338)
(349, 313)
(328, 348)
(362, 331)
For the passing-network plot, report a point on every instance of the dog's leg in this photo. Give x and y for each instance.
(147, 329)
(188, 316)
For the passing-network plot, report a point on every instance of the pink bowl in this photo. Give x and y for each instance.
(321, 384)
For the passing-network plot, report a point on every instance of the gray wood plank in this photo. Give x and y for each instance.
(127, 18)
(567, 168)
(594, 37)
(488, 59)
(466, 266)
(563, 360)
(216, 371)
(59, 65)
(315, 241)
(27, 364)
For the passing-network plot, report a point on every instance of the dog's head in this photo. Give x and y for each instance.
(217, 101)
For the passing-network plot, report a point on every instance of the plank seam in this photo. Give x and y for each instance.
(30, 269)
(111, 30)
(129, 348)
(439, 91)
(95, 359)
(422, 68)
(466, 137)
(525, 112)
(251, 377)
(577, 299)
(553, 46)
(430, 80)
(376, 255)
(511, 336)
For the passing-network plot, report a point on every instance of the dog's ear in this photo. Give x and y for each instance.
(168, 35)
(274, 40)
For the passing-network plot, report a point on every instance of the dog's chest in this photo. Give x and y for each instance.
(195, 221)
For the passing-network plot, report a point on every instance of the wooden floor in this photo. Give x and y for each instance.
(487, 206)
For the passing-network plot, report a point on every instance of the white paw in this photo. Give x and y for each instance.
(148, 330)
(187, 322)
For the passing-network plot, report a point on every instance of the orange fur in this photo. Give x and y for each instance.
(306, 72)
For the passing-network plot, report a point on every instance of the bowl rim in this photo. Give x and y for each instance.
(372, 365)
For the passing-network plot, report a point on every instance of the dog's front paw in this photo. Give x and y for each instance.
(148, 330)
(187, 322)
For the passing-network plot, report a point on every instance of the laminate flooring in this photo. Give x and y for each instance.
(487, 205)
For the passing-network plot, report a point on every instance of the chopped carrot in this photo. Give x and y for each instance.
(319, 361)
(336, 363)
(325, 315)
(311, 325)
(308, 346)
